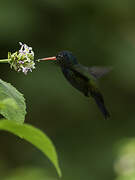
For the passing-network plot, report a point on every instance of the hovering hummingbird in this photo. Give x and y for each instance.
(81, 77)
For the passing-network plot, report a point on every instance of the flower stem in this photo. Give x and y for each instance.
(5, 60)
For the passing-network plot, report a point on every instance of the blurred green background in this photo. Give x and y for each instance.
(98, 33)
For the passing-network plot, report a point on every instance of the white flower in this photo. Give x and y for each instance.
(23, 60)
(25, 50)
(24, 70)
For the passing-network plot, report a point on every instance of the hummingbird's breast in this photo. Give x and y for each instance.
(76, 81)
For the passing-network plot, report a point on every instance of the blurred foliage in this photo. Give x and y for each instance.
(28, 173)
(125, 161)
(98, 33)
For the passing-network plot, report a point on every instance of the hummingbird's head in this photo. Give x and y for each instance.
(63, 58)
(66, 58)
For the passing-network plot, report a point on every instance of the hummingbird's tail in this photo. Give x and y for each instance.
(100, 102)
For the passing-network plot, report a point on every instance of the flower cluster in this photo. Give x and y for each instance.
(22, 60)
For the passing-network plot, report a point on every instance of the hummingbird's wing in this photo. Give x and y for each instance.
(97, 72)
(82, 71)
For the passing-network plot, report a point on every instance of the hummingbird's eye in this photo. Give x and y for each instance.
(60, 56)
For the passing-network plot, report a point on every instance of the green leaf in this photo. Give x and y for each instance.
(35, 137)
(12, 103)
(8, 102)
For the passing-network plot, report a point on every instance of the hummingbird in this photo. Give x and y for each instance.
(81, 77)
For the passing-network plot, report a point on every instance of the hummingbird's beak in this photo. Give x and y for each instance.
(48, 59)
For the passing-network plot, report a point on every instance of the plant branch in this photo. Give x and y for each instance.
(5, 60)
